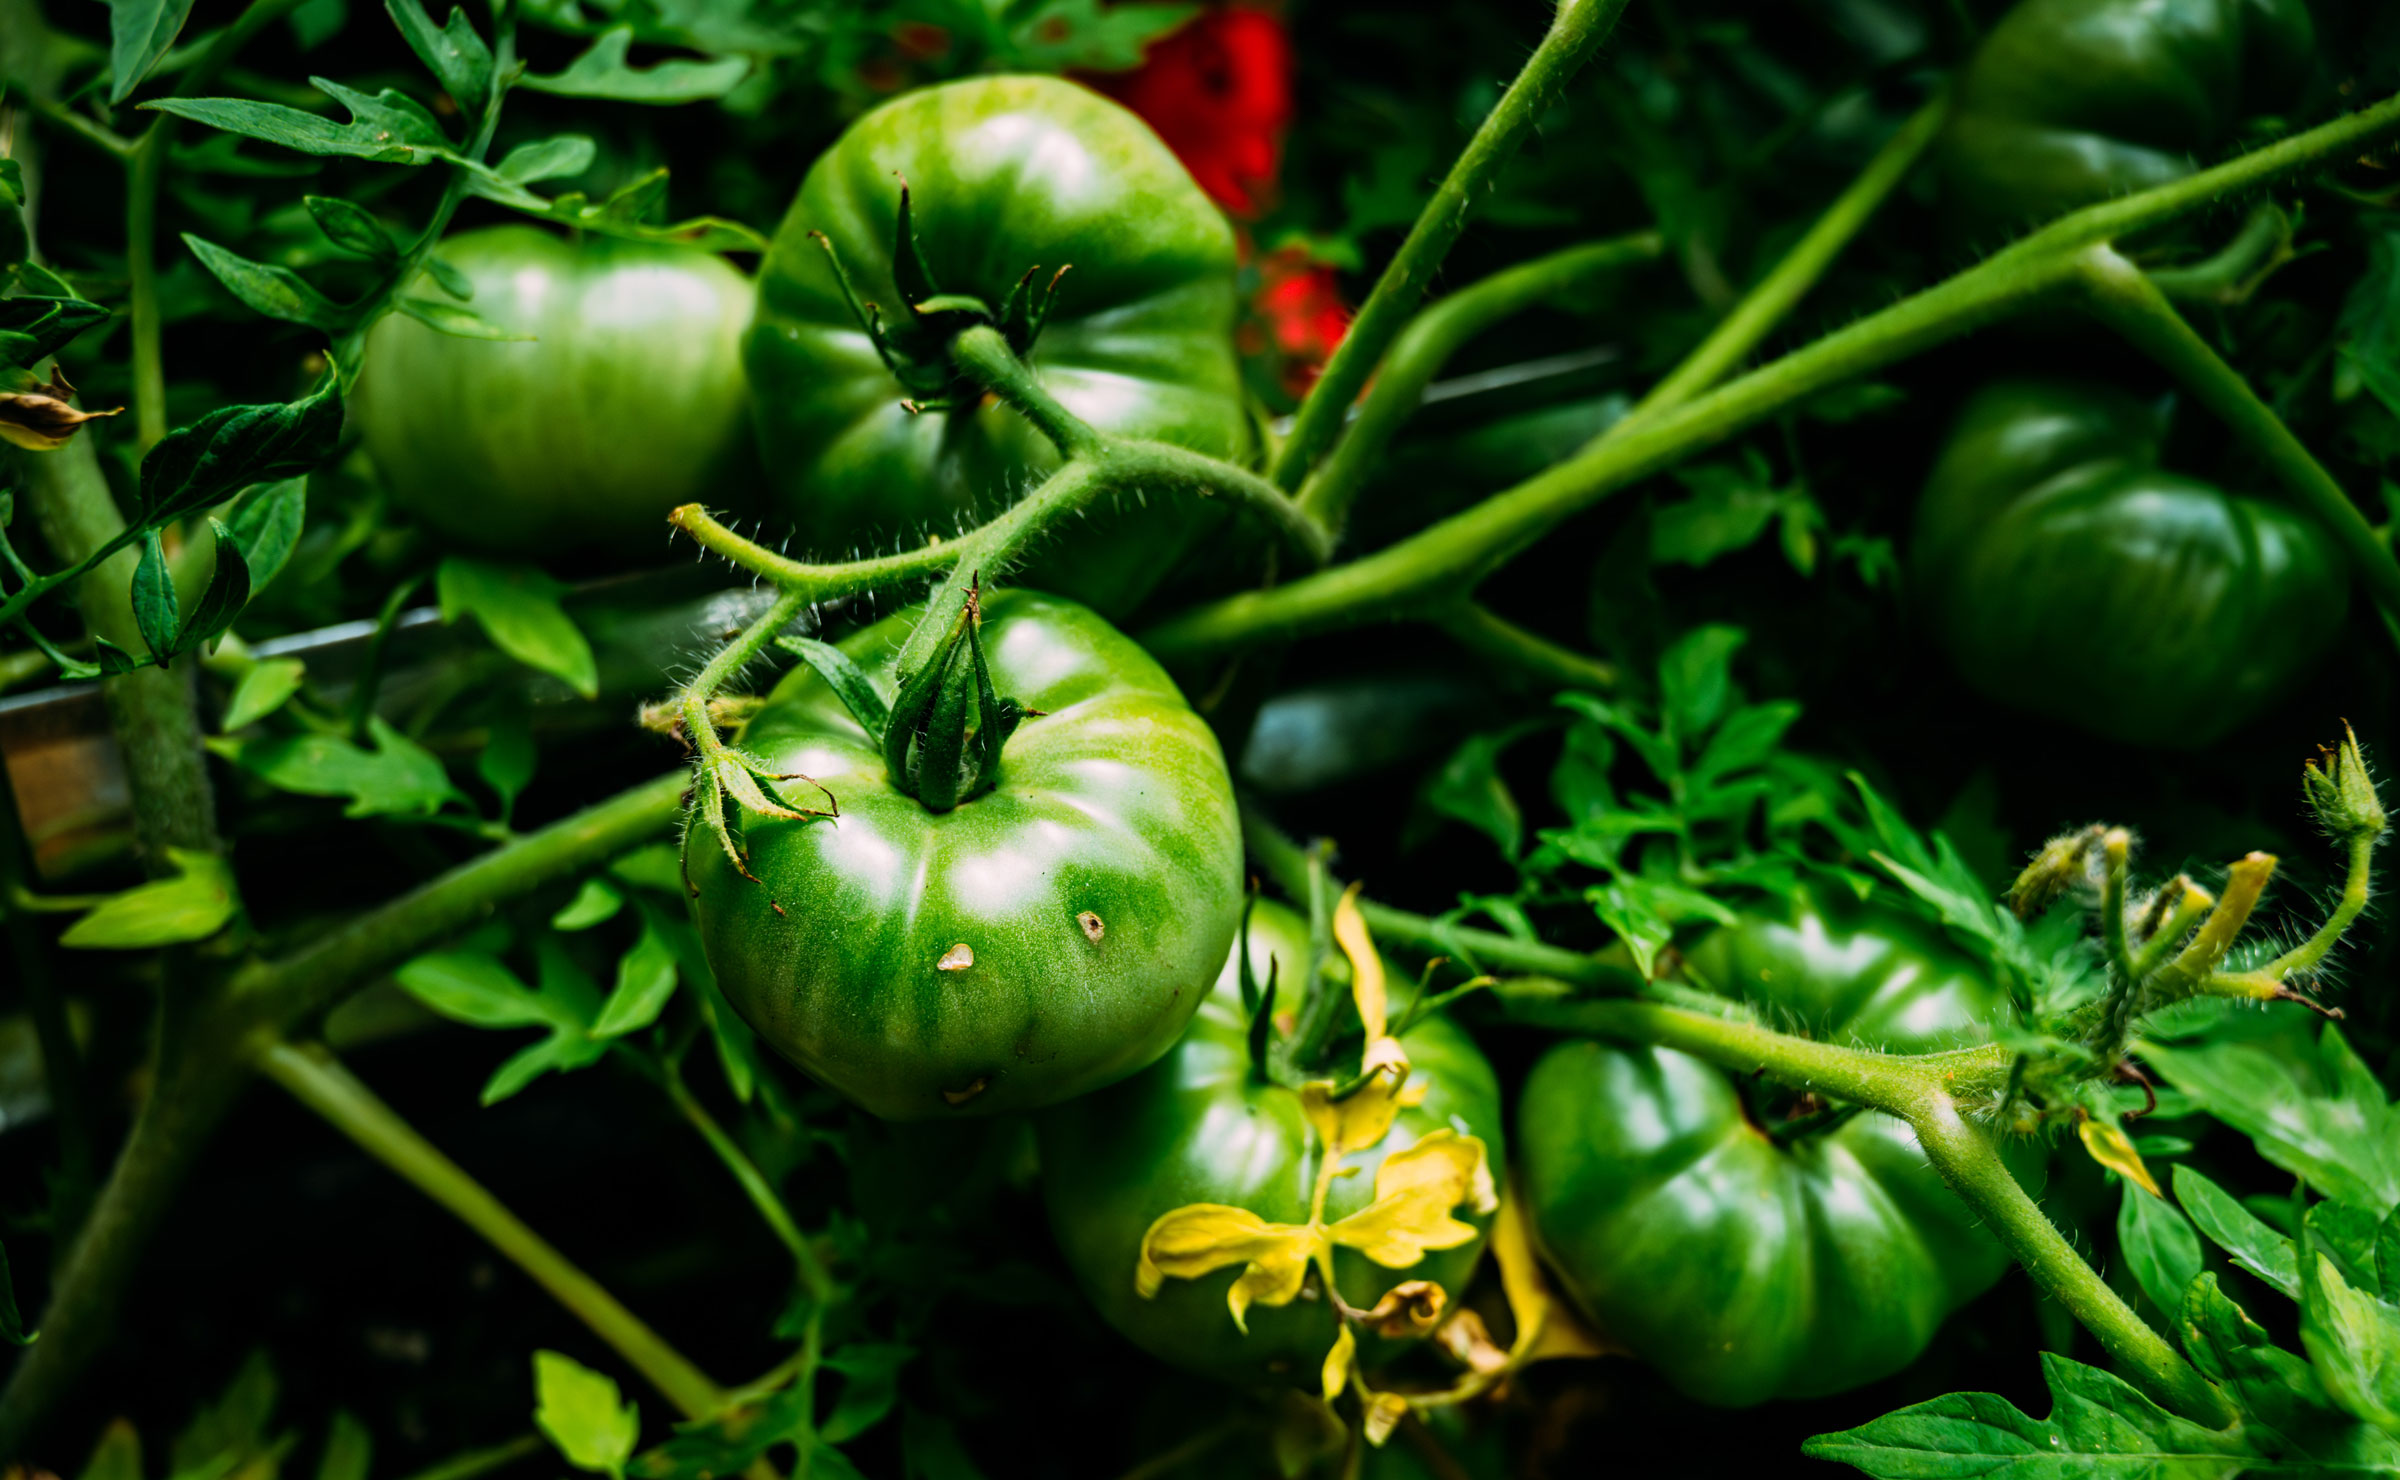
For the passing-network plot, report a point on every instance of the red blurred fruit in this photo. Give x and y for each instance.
(1219, 92)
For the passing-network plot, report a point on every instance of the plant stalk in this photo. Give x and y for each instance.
(1576, 31)
(321, 1082)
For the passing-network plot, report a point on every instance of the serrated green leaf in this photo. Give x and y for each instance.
(518, 608)
(583, 1415)
(262, 691)
(2099, 1428)
(603, 72)
(388, 128)
(398, 778)
(454, 53)
(140, 33)
(277, 292)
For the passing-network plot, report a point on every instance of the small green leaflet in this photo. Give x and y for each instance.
(558, 157)
(2287, 1414)
(349, 1449)
(507, 760)
(265, 524)
(518, 607)
(595, 902)
(277, 292)
(646, 977)
(261, 691)
(2231, 1227)
(353, 228)
(583, 1415)
(454, 320)
(2350, 1309)
(194, 905)
(1469, 789)
(626, 212)
(603, 72)
(2159, 1246)
(2368, 331)
(872, 1374)
(140, 33)
(1087, 36)
(474, 988)
(35, 327)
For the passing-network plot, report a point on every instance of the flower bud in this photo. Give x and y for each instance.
(2063, 863)
(2341, 792)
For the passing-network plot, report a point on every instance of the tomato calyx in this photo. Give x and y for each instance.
(943, 732)
(917, 349)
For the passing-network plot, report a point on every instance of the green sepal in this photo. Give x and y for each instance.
(909, 267)
(1262, 1023)
(942, 748)
(848, 681)
(1027, 309)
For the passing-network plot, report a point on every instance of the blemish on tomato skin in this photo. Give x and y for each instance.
(957, 1097)
(958, 958)
(1093, 927)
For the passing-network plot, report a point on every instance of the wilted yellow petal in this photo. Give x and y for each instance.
(1408, 1309)
(1387, 1057)
(1546, 1328)
(1354, 1124)
(1337, 1362)
(1466, 1337)
(1366, 967)
(1415, 1189)
(1383, 1416)
(2106, 1141)
(1202, 1238)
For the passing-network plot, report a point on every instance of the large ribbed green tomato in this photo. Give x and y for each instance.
(1745, 1269)
(1200, 1126)
(628, 401)
(1043, 939)
(2068, 574)
(1004, 174)
(2069, 102)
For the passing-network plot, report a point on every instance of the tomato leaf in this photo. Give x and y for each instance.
(2285, 1408)
(2098, 1426)
(234, 446)
(353, 228)
(277, 292)
(1469, 789)
(388, 128)
(265, 523)
(2231, 1227)
(140, 33)
(453, 53)
(33, 328)
(603, 72)
(262, 691)
(2327, 1122)
(474, 988)
(193, 905)
(549, 159)
(2159, 1246)
(582, 1413)
(518, 607)
(507, 760)
(1085, 35)
(154, 605)
(2350, 1309)
(595, 902)
(222, 600)
(398, 778)
(455, 320)
(645, 981)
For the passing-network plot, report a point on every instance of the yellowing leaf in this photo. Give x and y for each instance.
(1337, 1362)
(1415, 1190)
(1383, 1416)
(1202, 1238)
(2106, 1141)
(1366, 967)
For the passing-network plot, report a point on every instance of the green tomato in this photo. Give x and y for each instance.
(2068, 574)
(2069, 102)
(1043, 939)
(1746, 1269)
(1004, 174)
(1202, 1126)
(627, 401)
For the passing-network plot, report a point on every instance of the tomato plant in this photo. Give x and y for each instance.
(610, 392)
(1184, 738)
